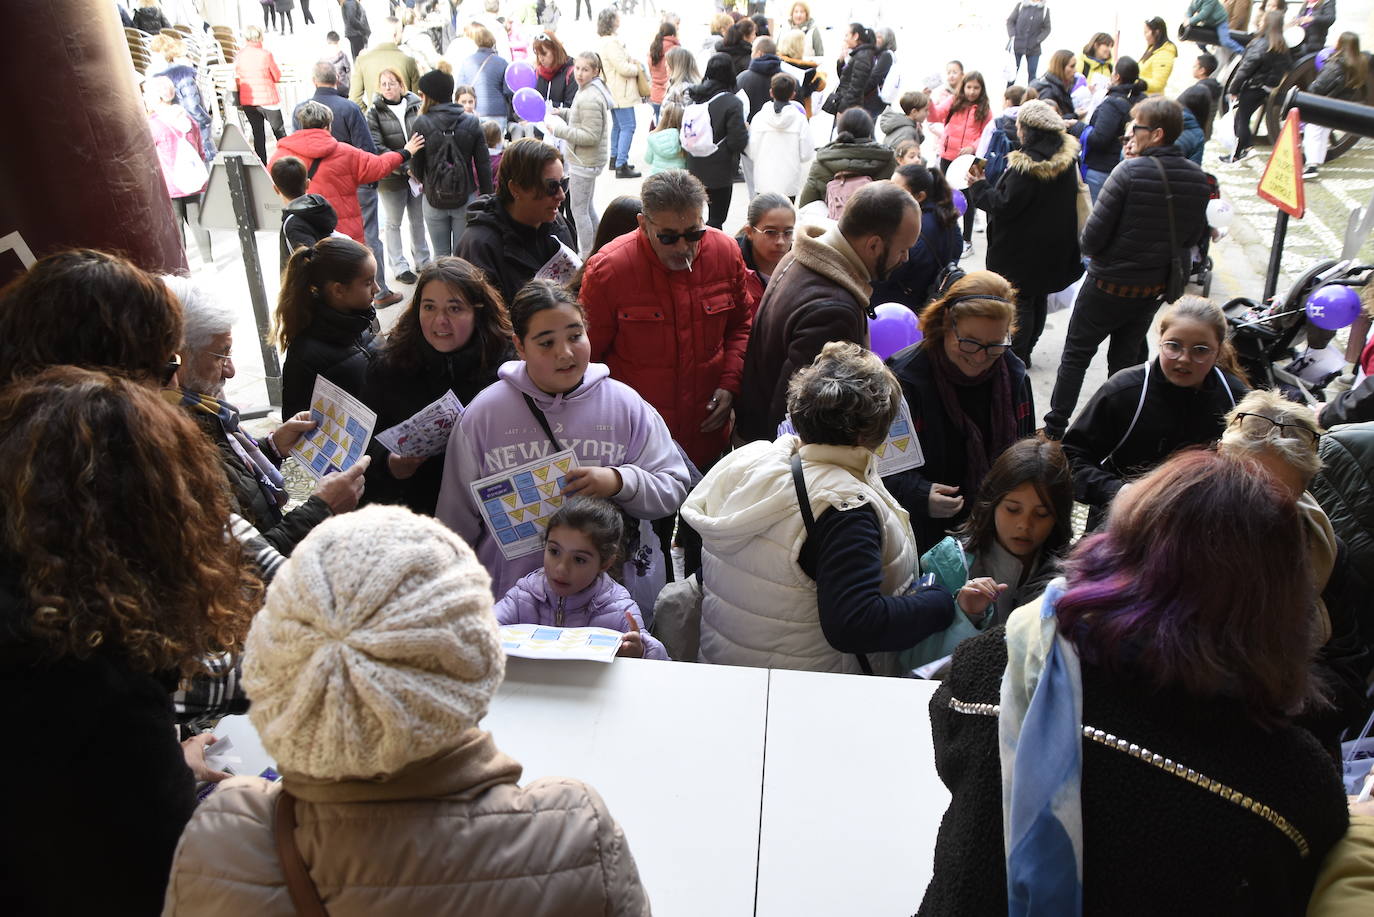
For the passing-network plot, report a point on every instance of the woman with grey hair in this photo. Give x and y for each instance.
(808, 560)
(1281, 436)
(878, 93)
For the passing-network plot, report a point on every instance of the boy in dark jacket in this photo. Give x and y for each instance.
(898, 128)
(306, 218)
(1203, 97)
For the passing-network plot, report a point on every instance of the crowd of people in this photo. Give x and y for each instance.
(1186, 662)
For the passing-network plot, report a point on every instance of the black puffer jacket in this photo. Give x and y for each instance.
(755, 80)
(336, 345)
(467, 130)
(305, 221)
(1165, 846)
(396, 392)
(123, 840)
(728, 129)
(1171, 418)
(1261, 68)
(1053, 90)
(510, 252)
(1345, 489)
(282, 531)
(1109, 121)
(882, 65)
(910, 282)
(390, 134)
(1033, 217)
(855, 75)
(739, 52)
(1127, 234)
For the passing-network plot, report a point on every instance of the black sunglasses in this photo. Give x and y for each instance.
(553, 185)
(672, 238)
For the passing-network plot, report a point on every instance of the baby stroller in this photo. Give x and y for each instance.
(1201, 273)
(1265, 336)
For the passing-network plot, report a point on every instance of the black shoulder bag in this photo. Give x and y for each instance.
(630, 548)
(1176, 281)
(809, 521)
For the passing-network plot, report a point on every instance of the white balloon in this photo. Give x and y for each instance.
(1220, 213)
(1294, 36)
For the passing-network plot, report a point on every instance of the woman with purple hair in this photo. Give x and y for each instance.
(1132, 730)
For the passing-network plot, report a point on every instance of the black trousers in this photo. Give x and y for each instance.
(577, 9)
(1097, 316)
(256, 117)
(718, 205)
(1031, 310)
(357, 43)
(305, 12)
(1250, 99)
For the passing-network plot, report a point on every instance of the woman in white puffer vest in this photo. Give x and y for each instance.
(834, 594)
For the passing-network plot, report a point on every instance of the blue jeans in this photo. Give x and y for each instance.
(1032, 61)
(445, 228)
(622, 132)
(400, 203)
(1095, 180)
(1224, 36)
(367, 200)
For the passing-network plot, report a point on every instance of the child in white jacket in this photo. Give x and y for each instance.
(780, 141)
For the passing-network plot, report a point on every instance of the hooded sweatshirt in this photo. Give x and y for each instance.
(602, 604)
(897, 127)
(604, 421)
(342, 168)
(780, 140)
(305, 221)
(755, 80)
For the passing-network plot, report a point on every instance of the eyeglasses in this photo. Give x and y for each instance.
(1198, 353)
(970, 346)
(672, 238)
(775, 234)
(553, 185)
(1141, 127)
(170, 370)
(222, 357)
(1259, 426)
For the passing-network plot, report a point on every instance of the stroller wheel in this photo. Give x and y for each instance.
(1207, 282)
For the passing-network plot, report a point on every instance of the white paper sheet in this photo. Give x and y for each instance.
(516, 503)
(426, 433)
(534, 641)
(344, 426)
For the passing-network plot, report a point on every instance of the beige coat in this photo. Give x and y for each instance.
(621, 72)
(587, 129)
(449, 835)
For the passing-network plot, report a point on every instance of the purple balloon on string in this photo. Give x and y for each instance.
(1322, 57)
(1333, 306)
(960, 202)
(529, 104)
(893, 327)
(520, 75)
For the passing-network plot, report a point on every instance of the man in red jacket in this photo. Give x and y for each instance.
(667, 311)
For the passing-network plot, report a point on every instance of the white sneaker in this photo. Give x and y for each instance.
(968, 250)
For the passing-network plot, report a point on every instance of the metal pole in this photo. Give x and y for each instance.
(1271, 278)
(241, 196)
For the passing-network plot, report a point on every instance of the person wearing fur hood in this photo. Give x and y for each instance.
(1033, 219)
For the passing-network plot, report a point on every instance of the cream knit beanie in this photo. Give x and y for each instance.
(377, 647)
(1038, 113)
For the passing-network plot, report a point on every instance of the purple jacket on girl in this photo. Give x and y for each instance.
(604, 421)
(602, 604)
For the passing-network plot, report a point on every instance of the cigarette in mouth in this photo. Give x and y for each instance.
(689, 263)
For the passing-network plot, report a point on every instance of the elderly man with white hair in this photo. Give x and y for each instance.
(253, 466)
(1282, 436)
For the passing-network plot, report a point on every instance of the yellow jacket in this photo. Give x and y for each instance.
(1155, 71)
(1345, 885)
(1091, 67)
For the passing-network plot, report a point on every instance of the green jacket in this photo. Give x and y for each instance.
(864, 157)
(950, 564)
(1206, 13)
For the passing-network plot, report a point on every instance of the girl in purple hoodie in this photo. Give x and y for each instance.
(574, 588)
(624, 451)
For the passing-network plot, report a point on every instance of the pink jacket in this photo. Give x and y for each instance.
(602, 604)
(962, 129)
(177, 140)
(258, 75)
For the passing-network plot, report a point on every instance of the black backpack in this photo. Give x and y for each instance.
(448, 173)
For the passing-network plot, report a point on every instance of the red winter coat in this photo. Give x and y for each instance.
(673, 336)
(258, 75)
(342, 170)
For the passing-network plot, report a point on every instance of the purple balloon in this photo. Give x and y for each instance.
(520, 75)
(894, 327)
(1333, 306)
(529, 104)
(1322, 57)
(960, 202)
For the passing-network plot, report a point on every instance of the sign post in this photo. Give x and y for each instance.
(240, 196)
(1281, 185)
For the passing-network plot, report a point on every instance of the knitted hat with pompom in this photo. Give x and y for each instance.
(376, 648)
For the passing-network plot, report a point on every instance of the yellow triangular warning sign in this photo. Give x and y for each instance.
(547, 489)
(555, 501)
(563, 465)
(517, 514)
(319, 405)
(902, 443)
(881, 449)
(542, 523)
(542, 473)
(509, 500)
(1281, 183)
